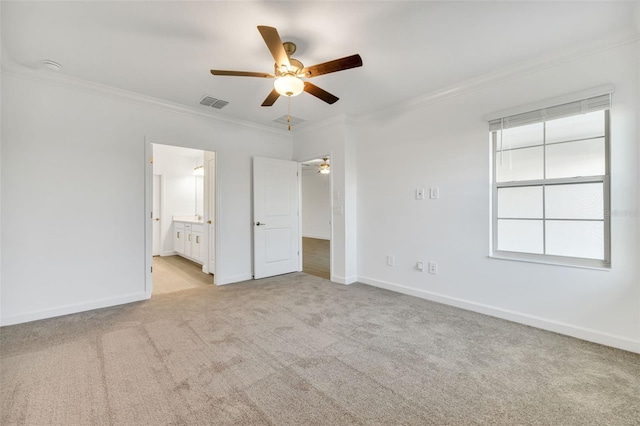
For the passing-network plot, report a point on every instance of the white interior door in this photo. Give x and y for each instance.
(275, 217)
(156, 236)
(209, 262)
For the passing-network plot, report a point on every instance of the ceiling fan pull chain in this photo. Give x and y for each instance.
(289, 112)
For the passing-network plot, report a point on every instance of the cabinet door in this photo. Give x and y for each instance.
(178, 238)
(187, 240)
(188, 244)
(196, 246)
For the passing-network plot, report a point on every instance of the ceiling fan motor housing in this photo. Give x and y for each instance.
(296, 68)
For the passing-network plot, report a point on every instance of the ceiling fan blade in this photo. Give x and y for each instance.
(243, 73)
(274, 43)
(271, 98)
(319, 93)
(345, 63)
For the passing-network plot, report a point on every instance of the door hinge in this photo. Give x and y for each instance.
(152, 269)
(151, 215)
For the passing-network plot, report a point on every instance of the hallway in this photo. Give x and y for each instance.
(316, 257)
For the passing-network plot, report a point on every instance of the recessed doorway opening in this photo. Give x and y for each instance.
(182, 218)
(316, 216)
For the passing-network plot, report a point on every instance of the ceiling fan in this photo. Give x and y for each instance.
(289, 72)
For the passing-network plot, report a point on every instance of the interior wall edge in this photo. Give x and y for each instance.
(559, 327)
(73, 309)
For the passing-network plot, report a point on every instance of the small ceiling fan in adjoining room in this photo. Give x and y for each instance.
(320, 165)
(289, 72)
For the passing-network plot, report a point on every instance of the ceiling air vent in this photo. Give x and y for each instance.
(294, 120)
(213, 102)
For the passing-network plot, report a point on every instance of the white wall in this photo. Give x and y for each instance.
(180, 190)
(73, 170)
(316, 205)
(445, 144)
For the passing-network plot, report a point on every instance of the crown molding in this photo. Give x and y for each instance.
(12, 69)
(514, 71)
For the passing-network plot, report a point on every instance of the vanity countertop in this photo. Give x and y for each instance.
(187, 219)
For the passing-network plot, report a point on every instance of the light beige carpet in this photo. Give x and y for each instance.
(299, 350)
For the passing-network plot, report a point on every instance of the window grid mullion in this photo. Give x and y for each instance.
(551, 182)
(552, 143)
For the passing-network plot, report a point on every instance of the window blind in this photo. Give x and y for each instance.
(595, 103)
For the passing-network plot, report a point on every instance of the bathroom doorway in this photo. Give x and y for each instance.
(183, 218)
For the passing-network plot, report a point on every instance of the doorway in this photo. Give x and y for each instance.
(183, 218)
(316, 216)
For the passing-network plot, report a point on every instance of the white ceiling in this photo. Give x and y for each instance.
(178, 151)
(409, 48)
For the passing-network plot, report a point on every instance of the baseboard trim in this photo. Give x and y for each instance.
(533, 321)
(316, 237)
(168, 253)
(232, 279)
(344, 280)
(73, 309)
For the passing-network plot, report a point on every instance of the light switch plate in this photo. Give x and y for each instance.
(420, 194)
(434, 193)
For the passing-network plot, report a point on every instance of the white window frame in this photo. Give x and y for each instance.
(546, 258)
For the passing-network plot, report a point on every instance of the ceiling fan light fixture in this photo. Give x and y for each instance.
(324, 168)
(288, 85)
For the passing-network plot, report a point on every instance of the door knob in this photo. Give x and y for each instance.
(260, 224)
(209, 222)
(157, 218)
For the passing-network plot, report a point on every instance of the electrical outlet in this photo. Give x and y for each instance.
(420, 194)
(391, 260)
(433, 268)
(420, 266)
(434, 193)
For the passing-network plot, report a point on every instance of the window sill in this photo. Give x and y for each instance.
(550, 262)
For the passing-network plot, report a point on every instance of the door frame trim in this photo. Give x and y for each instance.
(161, 239)
(148, 225)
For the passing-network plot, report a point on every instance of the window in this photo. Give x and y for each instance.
(551, 184)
